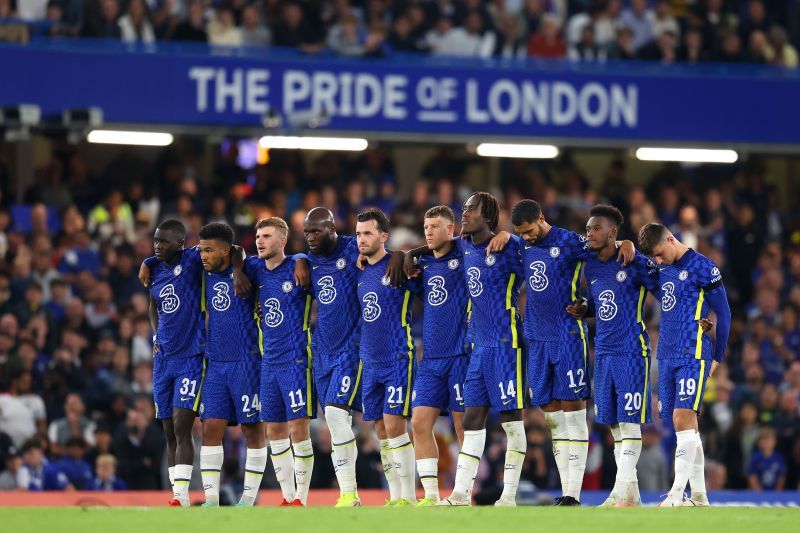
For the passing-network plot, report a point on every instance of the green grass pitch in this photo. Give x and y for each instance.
(377, 520)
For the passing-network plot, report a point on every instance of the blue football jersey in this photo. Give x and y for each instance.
(334, 280)
(232, 322)
(385, 315)
(446, 304)
(493, 282)
(617, 294)
(682, 290)
(176, 290)
(553, 271)
(285, 310)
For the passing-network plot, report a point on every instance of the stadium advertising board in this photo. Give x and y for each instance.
(456, 97)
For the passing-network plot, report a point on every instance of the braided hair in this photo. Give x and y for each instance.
(490, 209)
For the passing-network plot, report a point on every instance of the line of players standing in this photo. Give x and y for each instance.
(478, 354)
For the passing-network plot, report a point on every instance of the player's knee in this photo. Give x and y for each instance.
(474, 421)
(630, 431)
(299, 432)
(421, 425)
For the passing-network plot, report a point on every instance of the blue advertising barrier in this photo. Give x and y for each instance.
(172, 84)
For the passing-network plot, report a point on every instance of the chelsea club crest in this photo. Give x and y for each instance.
(555, 251)
(453, 264)
(287, 286)
(341, 263)
(622, 276)
(177, 270)
(490, 260)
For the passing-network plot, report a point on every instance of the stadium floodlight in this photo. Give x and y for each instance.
(137, 138)
(686, 155)
(313, 143)
(527, 151)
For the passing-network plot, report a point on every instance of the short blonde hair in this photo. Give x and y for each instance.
(274, 222)
(106, 458)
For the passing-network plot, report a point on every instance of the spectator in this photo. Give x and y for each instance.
(510, 41)
(296, 30)
(106, 479)
(112, 221)
(767, 470)
(83, 256)
(596, 16)
(664, 50)
(193, 28)
(623, 47)
(104, 25)
(9, 477)
(138, 447)
(37, 473)
(344, 38)
(587, 49)
(254, 33)
(222, 29)
(664, 21)
(639, 19)
(32, 10)
(472, 39)
(73, 425)
(692, 50)
(780, 52)
(756, 20)
(22, 414)
(547, 42)
(731, 49)
(73, 465)
(135, 25)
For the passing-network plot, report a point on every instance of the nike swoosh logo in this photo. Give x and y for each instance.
(684, 399)
(461, 403)
(297, 410)
(314, 267)
(341, 395)
(186, 399)
(507, 402)
(528, 247)
(251, 415)
(425, 267)
(467, 253)
(593, 281)
(633, 413)
(260, 286)
(577, 391)
(360, 283)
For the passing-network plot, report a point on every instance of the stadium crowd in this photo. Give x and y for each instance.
(668, 31)
(76, 408)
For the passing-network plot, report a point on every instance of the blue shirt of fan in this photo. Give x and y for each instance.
(553, 268)
(47, 477)
(385, 315)
(232, 322)
(683, 286)
(334, 280)
(76, 260)
(493, 283)
(768, 469)
(285, 309)
(176, 289)
(445, 303)
(617, 294)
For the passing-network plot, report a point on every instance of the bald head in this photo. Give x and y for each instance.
(319, 228)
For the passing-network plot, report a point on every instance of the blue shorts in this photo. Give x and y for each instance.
(387, 388)
(177, 382)
(622, 389)
(557, 370)
(287, 392)
(495, 378)
(338, 379)
(440, 383)
(681, 384)
(230, 391)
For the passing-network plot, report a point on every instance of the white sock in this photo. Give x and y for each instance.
(171, 471)
(283, 464)
(345, 451)
(403, 453)
(560, 437)
(253, 472)
(428, 470)
(685, 453)
(578, 450)
(303, 466)
(515, 454)
(697, 481)
(468, 461)
(617, 434)
(210, 468)
(389, 470)
(631, 449)
(180, 485)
